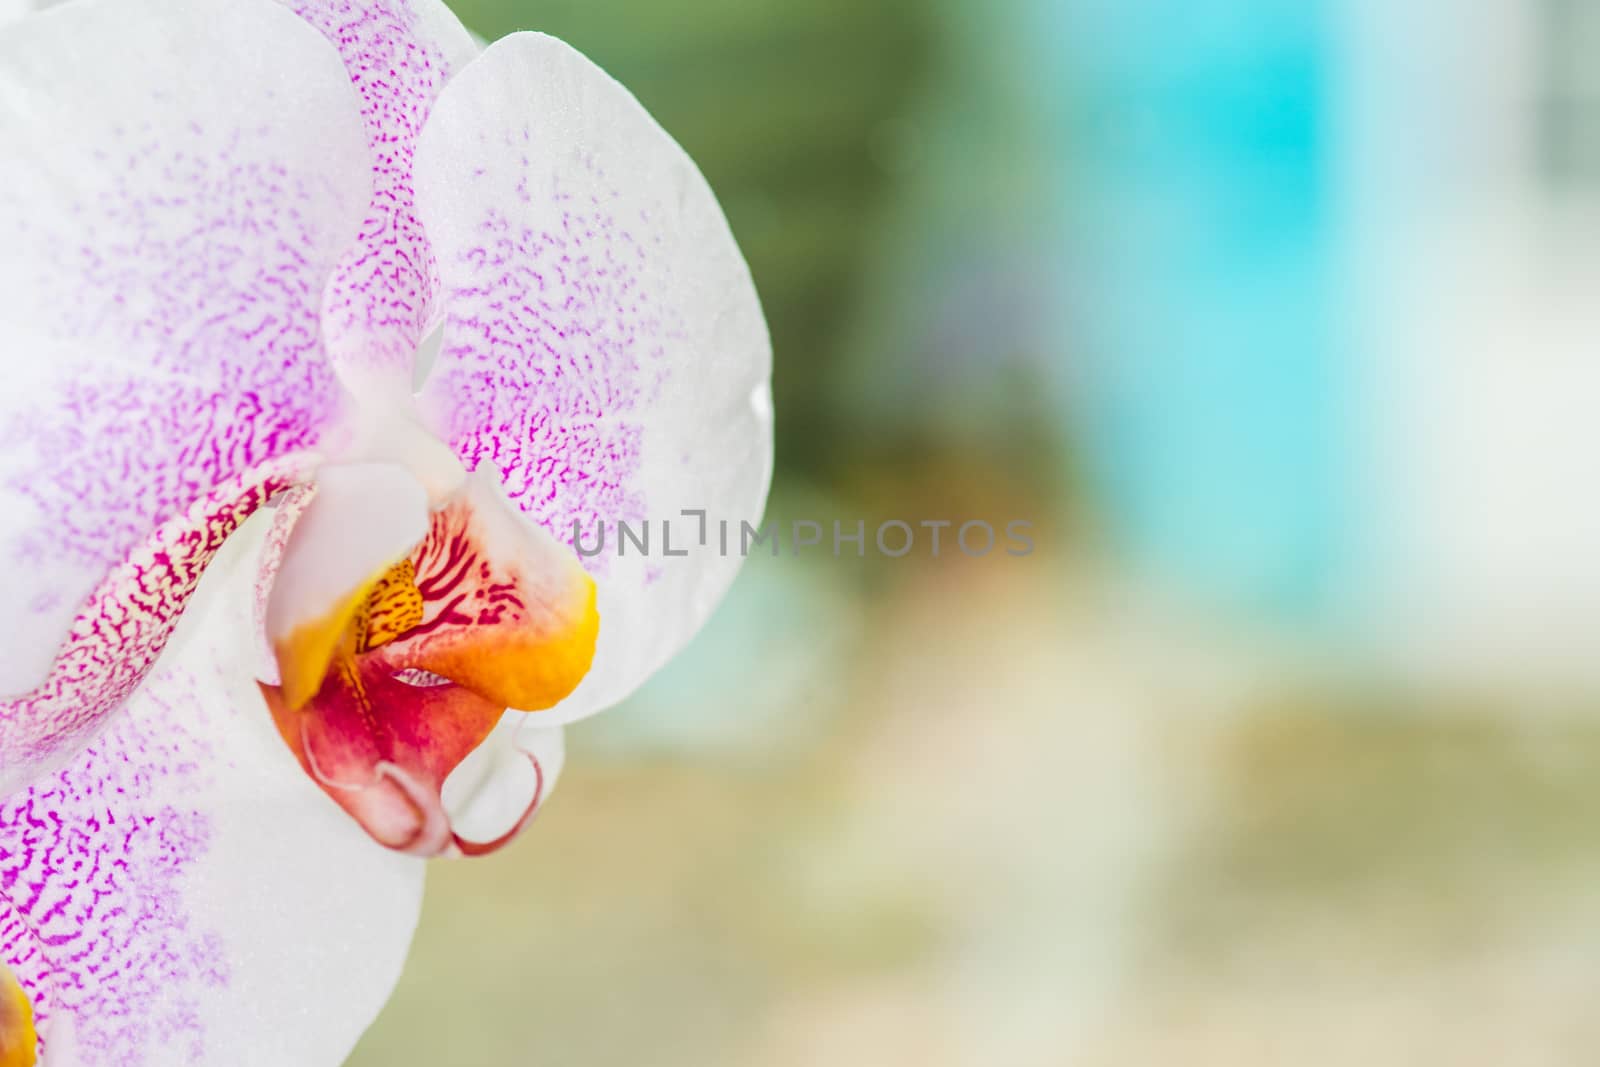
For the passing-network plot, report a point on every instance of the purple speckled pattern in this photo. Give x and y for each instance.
(603, 345)
(553, 337)
(399, 54)
(163, 250)
(165, 897)
(213, 247)
(201, 263)
(558, 328)
(93, 918)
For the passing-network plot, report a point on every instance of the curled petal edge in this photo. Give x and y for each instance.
(117, 636)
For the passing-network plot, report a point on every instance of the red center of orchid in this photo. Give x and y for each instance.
(385, 694)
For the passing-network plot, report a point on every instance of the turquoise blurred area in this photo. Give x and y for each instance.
(1194, 142)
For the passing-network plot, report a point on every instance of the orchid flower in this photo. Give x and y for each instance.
(326, 331)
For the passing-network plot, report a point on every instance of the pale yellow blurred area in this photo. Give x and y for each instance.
(1044, 824)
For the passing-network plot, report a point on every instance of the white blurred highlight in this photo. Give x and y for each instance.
(1473, 271)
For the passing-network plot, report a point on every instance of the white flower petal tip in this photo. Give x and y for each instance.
(603, 342)
(181, 894)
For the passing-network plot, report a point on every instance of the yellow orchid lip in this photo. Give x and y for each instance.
(490, 612)
(19, 1043)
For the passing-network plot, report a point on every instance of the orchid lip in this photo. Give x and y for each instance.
(397, 680)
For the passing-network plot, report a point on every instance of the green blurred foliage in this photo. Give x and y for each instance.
(785, 108)
(1434, 819)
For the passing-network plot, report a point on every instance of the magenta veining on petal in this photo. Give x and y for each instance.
(380, 300)
(92, 866)
(120, 632)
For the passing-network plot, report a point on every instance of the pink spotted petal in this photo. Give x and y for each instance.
(178, 186)
(181, 893)
(604, 346)
(382, 298)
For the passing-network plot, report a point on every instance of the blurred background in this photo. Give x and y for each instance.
(1277, 319)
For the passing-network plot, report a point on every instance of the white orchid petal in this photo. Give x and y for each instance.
(180, 177)
(182, 893)
(604, 346)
